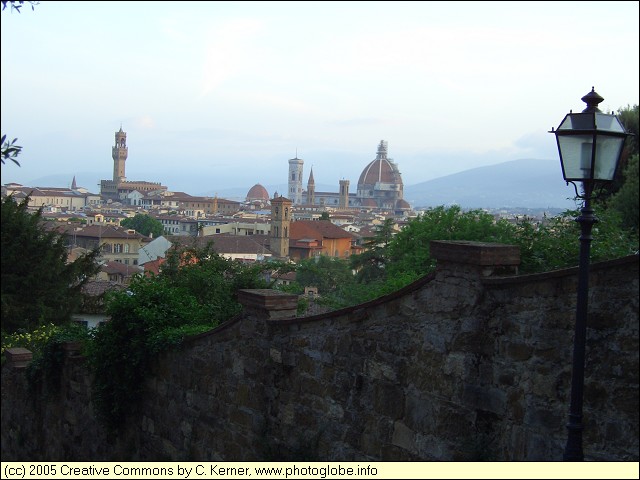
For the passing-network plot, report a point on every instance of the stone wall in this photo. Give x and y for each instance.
(469, 363)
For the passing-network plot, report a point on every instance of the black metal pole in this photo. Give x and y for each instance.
(573, 450)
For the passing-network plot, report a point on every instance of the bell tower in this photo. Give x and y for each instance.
(295, 179)
(119, 152)
(311, 189)
(280, 221)
(344, 195)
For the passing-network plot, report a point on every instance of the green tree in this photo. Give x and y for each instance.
(370, 265)
(326, 273)
(409, 251)
(625, 201)
(16, 5)
(195, 291)
(629, 116)
(38, 285)
(144, 224)
(10, 150)
(325, 216)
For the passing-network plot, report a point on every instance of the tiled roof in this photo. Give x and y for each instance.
(121, 268)
(105, 231)
(317, 229)
(95, 288)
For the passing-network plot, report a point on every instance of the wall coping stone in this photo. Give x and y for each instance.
(560, 273)
(18, 357)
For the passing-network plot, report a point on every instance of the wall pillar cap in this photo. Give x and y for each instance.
(274, 303)
(475, 253)
(18, 357)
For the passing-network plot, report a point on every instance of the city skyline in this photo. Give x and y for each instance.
(215, 95)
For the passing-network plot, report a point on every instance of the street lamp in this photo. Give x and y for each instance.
(590, 146)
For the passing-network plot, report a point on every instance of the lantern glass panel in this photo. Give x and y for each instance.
(608, 150)
(575, 154)
(608, 123)
(578, 121)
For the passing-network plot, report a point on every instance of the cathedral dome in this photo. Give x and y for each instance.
(380, 171)
(259, 193)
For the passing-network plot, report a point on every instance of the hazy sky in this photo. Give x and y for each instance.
(215, 95)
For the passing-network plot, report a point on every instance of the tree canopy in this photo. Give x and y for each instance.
(144, 224)
(38, 284)
(195, 291)
(10, 150)
(16, 5)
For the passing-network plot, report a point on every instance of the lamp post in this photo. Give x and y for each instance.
(590, 146)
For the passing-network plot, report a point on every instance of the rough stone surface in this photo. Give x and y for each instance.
(459, 366)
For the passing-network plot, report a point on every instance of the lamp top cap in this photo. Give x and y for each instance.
(592, 99)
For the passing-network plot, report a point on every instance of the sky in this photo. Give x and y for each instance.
(215, 95)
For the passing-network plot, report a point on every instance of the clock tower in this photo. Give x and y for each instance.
(119, 152)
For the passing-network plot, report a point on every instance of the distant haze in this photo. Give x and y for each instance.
(526, 183)
(217, 95)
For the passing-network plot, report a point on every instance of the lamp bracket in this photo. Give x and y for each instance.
(589, 192)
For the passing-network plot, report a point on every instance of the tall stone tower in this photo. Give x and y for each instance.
(311, 189)
(295, 180)
(343, 200)
(280, 221)
(119, 153)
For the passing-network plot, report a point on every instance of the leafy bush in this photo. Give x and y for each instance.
(33, 341)
(46, 367)
(195, 291)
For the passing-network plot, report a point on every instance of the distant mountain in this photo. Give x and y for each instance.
(519, 183)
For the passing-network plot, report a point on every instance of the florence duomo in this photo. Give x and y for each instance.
(379, 187)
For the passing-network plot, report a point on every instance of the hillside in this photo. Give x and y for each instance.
(520, 183)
